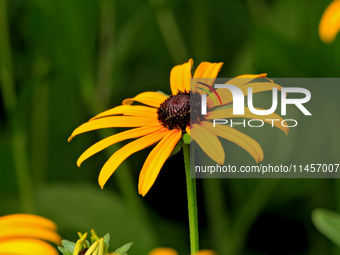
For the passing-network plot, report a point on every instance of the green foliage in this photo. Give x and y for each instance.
(101, 210)
(177, 147)
(124, 249)
(62, 62)
(328, 223)
(67, 247)
(186, 138)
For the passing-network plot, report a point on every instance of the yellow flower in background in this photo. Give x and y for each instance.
(163, 120)
(170, 251)
(23, 234)
(330, 22)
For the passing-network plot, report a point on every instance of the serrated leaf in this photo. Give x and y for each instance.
(68, 245)
(124, 249)
(186, 138)
(64, 251)
(328, 223)
(177, 148)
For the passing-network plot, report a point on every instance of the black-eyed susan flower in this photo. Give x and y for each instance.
(170, 251)
(330, 22)
(23, 234)
(163, 120)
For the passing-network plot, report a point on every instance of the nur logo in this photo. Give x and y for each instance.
(204, 97)
(238, 99)
(238, 107)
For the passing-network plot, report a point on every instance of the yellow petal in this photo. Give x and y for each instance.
(133, 133)
(188, 129)
(115, 121)
(208, 142)
(26, 220)
(149, 98)
(245, 78)
(26, 246)
(207, 70)
(136, 110)
(30, 231)
(235, 136)
(93, 247)
(156, 159)
(330, 22)
(180, 77)
(227, 97)
(228, 113)
(120, 155)
(163, 251)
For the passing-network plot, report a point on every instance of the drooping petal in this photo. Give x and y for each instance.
(149, 98)
(115, 121)
(227, 97)
(180, 77)
(235, 136)
(132, 133)
(207, 70)
(330, 22)
(208, 142)
(187, 129)
(163, 251)
(26, 246)
(273, 119)
(26, 220)
(245, 78)
(135, 110)
(156, 159)
(30, 231)
(120, 155)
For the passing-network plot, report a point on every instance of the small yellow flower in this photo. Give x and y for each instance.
(20, 234)
(163, 120)
(330, 22)
(170, 251)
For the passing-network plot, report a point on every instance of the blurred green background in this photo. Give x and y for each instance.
(64, 61)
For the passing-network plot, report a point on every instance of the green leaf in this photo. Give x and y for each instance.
(177, 148)
(68, 245)
(64, 251)
(186, 138)
(328, 223)
(124, 249)
(106, 239)
(162, 93)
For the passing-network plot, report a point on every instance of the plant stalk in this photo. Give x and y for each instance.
(192, 202)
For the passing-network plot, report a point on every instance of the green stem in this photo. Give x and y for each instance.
(6, 63)
(19, 137)
(25, 185)
(192, 202)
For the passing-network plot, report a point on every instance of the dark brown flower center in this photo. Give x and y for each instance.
(175, 111)
(82, 252)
